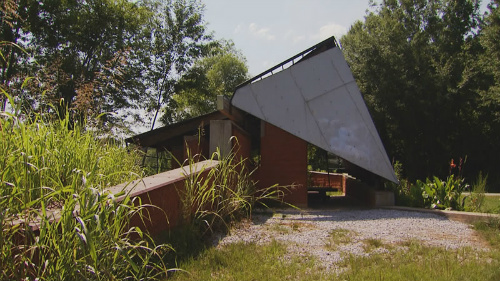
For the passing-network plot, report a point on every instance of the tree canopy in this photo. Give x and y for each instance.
(417, 64)
(100, 55)
(216, 74)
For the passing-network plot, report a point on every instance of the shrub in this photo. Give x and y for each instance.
(444, 194)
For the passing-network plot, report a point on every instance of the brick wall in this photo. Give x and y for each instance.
(242, 144)
(283, 162)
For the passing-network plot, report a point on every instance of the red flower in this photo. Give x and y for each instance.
(452, 165)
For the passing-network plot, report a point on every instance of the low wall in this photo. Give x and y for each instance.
(367, 195)
(333, 180)
(161, 191)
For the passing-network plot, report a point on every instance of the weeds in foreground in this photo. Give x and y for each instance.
(372, 243)
(214, 198)
(477, 195)
(337, 237)
(38, 156)
(415, 261)
(88, 238)
(56, 221)
(248, 261)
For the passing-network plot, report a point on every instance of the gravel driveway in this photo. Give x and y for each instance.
(309, 232)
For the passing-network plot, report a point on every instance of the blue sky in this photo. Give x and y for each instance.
(268, 32)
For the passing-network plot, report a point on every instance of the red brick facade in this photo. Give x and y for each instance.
(283, 162)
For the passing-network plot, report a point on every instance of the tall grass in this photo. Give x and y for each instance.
(57, 222)
(223, 194)
(38, 156)
(89, 239)
(477, 194)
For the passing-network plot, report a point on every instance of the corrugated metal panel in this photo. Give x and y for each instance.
(318, 100)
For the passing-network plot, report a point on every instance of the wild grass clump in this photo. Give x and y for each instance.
(338, 237)
(39, 155)
(225, 193)
(477, 195)
(89, 238)
(57, 221)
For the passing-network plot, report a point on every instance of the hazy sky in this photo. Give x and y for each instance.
(269, 32)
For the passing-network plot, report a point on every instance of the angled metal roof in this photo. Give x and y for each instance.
(318, 100)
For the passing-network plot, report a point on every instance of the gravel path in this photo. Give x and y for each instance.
(309, 232)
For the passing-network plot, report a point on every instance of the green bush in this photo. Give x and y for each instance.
(444, 194)
(431, 193)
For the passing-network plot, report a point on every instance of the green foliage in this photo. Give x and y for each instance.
(431, 193)
(174, 39)
(89, 238)
(216, 74)
(477, 193)
(444, 194)
(418, 65)
(212, 200)
(52, 179)
(39, 155)
(100, 55)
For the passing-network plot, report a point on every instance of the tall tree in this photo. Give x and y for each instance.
(411, 59)
(74, 47)
(177, 38)
(104, 55)
(488, 65)
(215, 74)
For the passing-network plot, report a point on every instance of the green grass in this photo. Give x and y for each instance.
(408, 260)
(242, 261)
(490, 204)
(49, 164)
(334, 193)
(337, 237)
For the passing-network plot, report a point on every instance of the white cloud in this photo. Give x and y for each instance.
(237, 29)
(328, 30)
(259, 32)
(292, 36)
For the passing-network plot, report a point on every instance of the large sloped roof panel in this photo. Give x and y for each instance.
(318, 100)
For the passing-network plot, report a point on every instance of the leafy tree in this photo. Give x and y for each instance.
(77, 49)
(411, 60)
(176, 38)
(216, 74)
(101, 55)
(488, 65)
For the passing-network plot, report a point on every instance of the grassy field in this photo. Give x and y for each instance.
(404, 261)
(491, 204)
